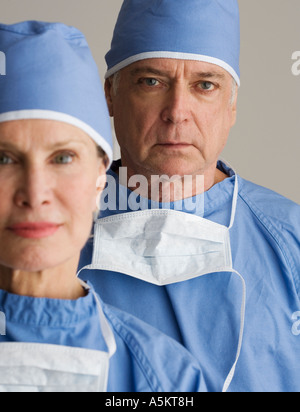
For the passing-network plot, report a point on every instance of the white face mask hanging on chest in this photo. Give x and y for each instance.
(164, 247)
(38, 367)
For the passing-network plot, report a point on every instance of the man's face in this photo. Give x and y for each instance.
(172, 117)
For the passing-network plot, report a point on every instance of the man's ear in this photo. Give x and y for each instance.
(108, 87)
(234, 108)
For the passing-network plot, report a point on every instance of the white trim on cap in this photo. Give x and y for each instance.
(173, 55)
(60, 117)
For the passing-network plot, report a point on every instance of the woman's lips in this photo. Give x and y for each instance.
(34, 230)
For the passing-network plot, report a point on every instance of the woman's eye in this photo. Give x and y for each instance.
(64, 158)
(5, 160)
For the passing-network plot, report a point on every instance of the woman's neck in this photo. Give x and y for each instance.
(56, 283)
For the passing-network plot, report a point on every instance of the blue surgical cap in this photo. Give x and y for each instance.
(201, 30)
(51, 74)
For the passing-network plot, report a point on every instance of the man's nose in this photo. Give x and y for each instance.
(34, 190)
(177, 108)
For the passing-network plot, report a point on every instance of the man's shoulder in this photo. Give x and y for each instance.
(280, 218)
(268, 204)
(155, 353)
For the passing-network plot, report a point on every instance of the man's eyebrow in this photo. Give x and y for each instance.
(148, 70)
(152, 71)
(210, 75)
(7, 145)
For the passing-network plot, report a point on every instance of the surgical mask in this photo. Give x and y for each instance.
(31, 367)
(164, 247)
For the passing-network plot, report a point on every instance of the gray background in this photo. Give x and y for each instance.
(264, 146)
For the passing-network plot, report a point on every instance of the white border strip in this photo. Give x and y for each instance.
(173, 55)
(60, 117)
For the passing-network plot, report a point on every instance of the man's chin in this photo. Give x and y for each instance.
(175, 167)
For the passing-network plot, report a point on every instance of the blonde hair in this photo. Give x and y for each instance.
(102, 155)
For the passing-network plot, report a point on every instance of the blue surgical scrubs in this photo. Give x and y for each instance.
(145, 360)
(203, 314)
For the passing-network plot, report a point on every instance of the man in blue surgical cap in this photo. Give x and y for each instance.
(217, 267)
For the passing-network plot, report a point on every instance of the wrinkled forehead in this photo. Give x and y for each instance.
(41, 134)
(173, 68)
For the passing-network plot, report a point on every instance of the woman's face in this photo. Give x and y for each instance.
(48, 178)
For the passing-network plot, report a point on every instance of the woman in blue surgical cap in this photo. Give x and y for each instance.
(55, 143)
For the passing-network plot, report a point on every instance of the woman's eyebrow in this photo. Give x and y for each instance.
(5, 145)
(61, 144)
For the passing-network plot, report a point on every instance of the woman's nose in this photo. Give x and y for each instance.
(33, 191)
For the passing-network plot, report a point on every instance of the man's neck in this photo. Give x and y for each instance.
(165, 189)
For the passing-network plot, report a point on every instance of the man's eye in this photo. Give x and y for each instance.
(5, 160)
(64, 158)
(206, 86)
(151, 82)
